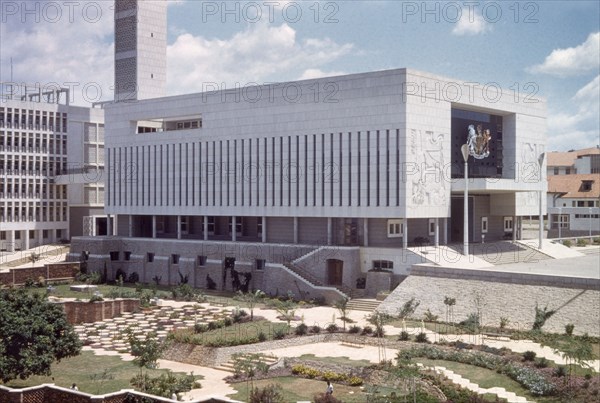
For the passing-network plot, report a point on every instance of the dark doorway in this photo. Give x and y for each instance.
(228, 267)
(335, 271)
(351, 232)
(456, 219)
(101, 226)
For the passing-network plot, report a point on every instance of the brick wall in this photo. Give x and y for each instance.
(48, 272)
(89, 312)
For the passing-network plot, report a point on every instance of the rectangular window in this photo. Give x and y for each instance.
(31, 234)
(260, 264)
(383, 265)
(238, 225)
(175, 258)
(150, 257)
(395, 228)
(127, 255)
(567, 171)
(114, 256)
(508, 224)
(211, 225)
(555, 170)
(201, 260)
(484, 225)
(184, 225)
(259, 226)
(432, 226)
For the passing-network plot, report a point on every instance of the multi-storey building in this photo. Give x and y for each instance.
(308, 185)
(38, 129)
(574, 192)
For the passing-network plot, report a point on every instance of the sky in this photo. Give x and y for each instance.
(549, 49)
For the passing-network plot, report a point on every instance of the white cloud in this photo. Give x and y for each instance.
(572, 61)
(318, 73)
(581, 128)
(470, 24)
(261, 53)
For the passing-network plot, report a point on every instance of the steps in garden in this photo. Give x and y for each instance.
(589, 251)
(363, 304)
(229, 366)
(467, 384)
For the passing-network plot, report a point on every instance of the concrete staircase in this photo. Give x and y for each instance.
(25, 256)
(229, 366)
(313, 280)
(363, 304)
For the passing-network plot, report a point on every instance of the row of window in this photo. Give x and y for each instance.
(174, 258)
(31, 234)
(33, 120)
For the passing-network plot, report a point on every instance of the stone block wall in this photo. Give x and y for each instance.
(49, 272)
(513, 300)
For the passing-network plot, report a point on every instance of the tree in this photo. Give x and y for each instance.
(541, 316)
(577, 352)
(342, 306)
(251, 299)
(146, 351)
(249, 365)
(33, 334)
(408, 308)
(449, 302)
(286, 311)
(34, 257)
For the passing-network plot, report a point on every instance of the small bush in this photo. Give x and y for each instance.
(355, 381)
(542, 363)
(301, 329)
(227, 322)
(567, 243)
(422, 338)
(201, 328)
(582, 242)
(354, 329)
(597, 241)
(560, 372)
(270, 393)
(262, 336)
(96, 298)
(529, 355)
(367, 330)
(315, 329)
(430, 317)
(569, 329)
(133, 278)
(279, 334)
(331, 328)
(404, 336)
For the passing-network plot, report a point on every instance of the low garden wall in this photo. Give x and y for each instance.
(89, 312)
(50, 272)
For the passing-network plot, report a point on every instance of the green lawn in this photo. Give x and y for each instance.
(295, 389)
(337, 360)
(81, 369)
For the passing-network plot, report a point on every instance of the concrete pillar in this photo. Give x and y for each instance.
(264, 229)
(130, 226)
(10, 241)
(295, 230)
(178, 227)
(153, 227)
(405, 234)
(445, 234)
(109, 226)
(205, 231)
(436, 240)
(233, 229)
(25, 240)
(365, 231)
(329, 230)
(514, 228)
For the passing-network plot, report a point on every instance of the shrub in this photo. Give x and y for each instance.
(560, 372)
(582, 242)
(430, 317)
(301, 329)
(227, 322)
(96, 298)
(324, 398)
(133, 278)
(279, 334)
(541, 363)
(408, 308)
(567, 243)
(201, 328)
(367, 330)
(597, 241)
(422, 338)
(471, 323)
(504, 322)
(404, 336)
(354, 329)
(569, 329)
(529, 355)
(239, 315)
(315, 329)
(331, 328)
(355, 381)
(270, 393)
(262, 336)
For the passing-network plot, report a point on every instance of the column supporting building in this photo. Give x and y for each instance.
(405, 234)
(233, 229)
(329, 230)
(178, 227)
(436, 238)
(295, 230)
(264, 229)
(153, 226)
(205, 230)
(365, 232)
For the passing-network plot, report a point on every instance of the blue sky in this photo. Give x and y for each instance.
(551, 48)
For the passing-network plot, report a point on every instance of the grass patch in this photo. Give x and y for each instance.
(236, 334)
(337, 360)
(300, 389)
(80, 369)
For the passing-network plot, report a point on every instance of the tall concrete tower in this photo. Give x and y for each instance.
(140, 49)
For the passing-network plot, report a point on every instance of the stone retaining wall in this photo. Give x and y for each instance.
(495, 300)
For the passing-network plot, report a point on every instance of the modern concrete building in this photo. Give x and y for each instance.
(43, 142)
(574, 192)
(312, 186)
